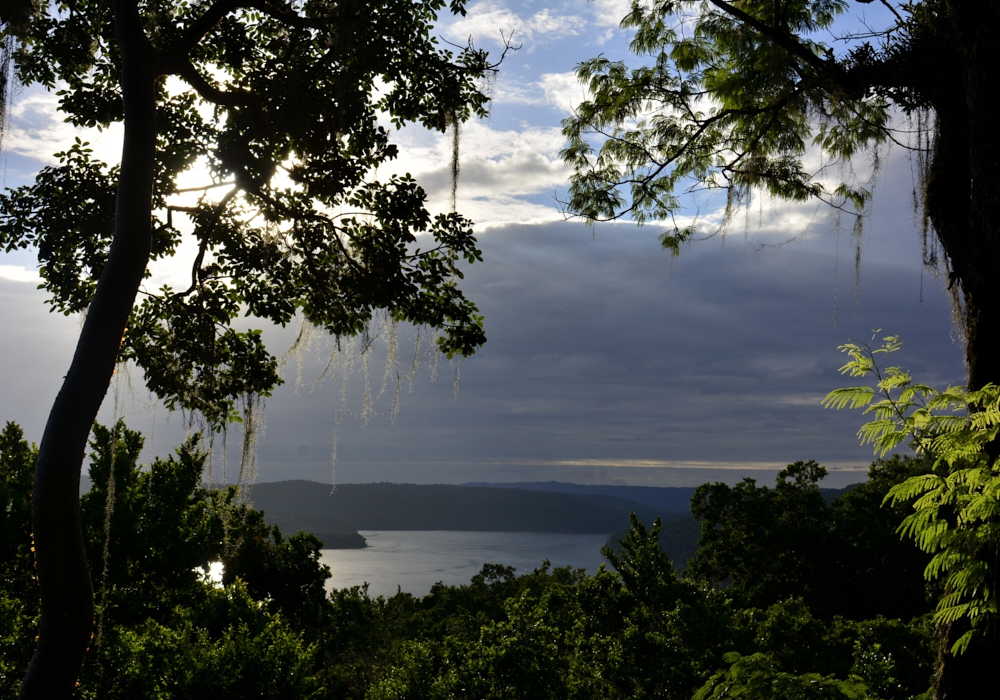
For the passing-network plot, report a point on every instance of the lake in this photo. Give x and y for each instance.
(416, 560)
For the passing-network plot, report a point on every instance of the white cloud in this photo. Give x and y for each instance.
(16, 273)
(37, 131)
(597, 22)
(609, 13)
(561, 91)
(492, 212)
(524, 171)
(498, 169)
(487, 19)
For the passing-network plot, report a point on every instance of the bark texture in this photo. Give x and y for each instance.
(963, 203)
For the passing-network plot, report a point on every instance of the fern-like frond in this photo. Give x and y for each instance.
(913, 487)
(894, 378)
(962, 645)
(852, 397)
(917, 393)
(956, 509)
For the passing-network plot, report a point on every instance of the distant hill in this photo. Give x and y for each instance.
(314, 507)
(831, 494)
(336, 514)
(663, 499)
(674, 499)
(333, 532)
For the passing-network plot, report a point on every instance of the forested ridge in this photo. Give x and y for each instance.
(789, 596)
(665, 498)
(316, 507)
(519, 507)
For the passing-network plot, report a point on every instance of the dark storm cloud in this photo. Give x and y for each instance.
(600, 359)
(599, 353)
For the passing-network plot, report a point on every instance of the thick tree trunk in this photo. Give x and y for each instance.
(67, 607)
(979, 29)
(963, 200)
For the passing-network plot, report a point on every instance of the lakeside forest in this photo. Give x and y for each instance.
(790, 595)
(336, 514)
(256, 156)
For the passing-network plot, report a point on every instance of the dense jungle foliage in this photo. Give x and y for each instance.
(788, 596)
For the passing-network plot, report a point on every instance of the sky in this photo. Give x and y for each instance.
(607, 361)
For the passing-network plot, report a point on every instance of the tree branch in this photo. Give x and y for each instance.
(315, 217)
(202, 26)
(783, 39)
(202, 188)
(186, 70)
(203, 244)
(287, 16)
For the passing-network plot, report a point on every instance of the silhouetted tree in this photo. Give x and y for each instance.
(277, 104)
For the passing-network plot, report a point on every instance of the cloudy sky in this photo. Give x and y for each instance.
(606, 363)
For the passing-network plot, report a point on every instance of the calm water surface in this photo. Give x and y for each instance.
(414, 561)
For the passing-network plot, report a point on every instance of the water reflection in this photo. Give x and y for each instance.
(414, 560)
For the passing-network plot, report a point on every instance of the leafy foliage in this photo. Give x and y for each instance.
(634, 631)
(278, 105)
(166, 631)
(878, 574)
(908, 410)
(761, 541)
(956, 508)
(252, 654)
(18, 599)
(756, 676)
(731, 98)
(764, 545)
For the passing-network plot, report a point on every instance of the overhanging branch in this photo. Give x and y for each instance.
(202, 26)
(208, 92)
(783, 39)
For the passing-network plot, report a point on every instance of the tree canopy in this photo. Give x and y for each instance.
(842, 557)
(277, 109)
(771, 99)
(634, 630)
(283, 111)
(735, 97)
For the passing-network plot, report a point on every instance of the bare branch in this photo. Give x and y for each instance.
(220, 207)
(893, 10)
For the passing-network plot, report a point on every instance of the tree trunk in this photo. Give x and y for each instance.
(971, 675)
(963, 201)
(67, 606)
(979, 31)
